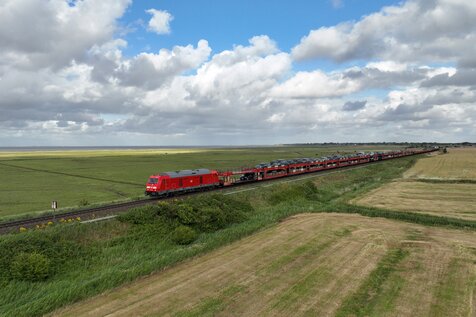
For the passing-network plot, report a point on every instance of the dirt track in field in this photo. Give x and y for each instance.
(309, 265)
(442, 185)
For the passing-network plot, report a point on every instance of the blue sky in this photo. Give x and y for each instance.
(227, 23)
(202, 72)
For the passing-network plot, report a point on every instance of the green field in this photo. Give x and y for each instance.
(31, 180)
(83, 260)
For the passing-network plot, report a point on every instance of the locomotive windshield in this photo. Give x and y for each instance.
(153, 180)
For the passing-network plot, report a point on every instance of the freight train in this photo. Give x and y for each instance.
(170, 183)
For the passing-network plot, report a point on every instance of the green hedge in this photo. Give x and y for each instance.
(206, 213)
(30, 267)
(35, 251)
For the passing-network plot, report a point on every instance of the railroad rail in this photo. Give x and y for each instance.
(114, 209)
(9, 226)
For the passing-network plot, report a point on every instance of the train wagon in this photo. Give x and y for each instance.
(195, 180)
(181, 181)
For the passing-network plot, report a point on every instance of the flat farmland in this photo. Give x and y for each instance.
(311, 265)
(457, 164)
(442, 185)
(450, 200)
(29, 181)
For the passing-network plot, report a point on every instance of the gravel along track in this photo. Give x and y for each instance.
(11, 226)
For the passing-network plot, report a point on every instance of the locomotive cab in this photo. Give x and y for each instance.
(153, 185)
(170, 183)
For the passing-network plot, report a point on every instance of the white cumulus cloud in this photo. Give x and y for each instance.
(149, 70)
(65, 79)
(415, 30)
(160, 21)
(316, 84)
(36, 34)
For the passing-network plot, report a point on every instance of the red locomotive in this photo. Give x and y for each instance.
(181, 181)
(193, 180)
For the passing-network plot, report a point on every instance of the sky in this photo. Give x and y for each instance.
(203, 72)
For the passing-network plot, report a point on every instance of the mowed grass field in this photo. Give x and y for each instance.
(312, 265)
(442, 185)
(29, 181)
(457, 164)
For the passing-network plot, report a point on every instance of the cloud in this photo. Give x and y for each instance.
(354, 105)
(244, 72)
(276, 117)
(383, 76)
(160, 21)
(58, 91)
(462, 77)
(36, 34)
(416, 30)
(316, 84)
(228, 95)
(337, 3)
(149, 70)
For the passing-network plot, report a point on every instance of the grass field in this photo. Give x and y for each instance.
(312, 265)
(443, 185)
(451, 200)
(88, 259)
(457, 164)
(31, 180)
(317, 264)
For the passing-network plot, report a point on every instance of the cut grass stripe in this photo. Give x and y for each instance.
(369, 294)
(213, 305)
(413, 217)
(444, 181)
(457, 286)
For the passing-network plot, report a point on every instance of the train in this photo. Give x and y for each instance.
(172, 183)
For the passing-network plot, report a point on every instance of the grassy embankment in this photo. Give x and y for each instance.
(88, 259)
(31, 180)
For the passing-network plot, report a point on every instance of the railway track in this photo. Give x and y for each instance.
(85, 214)
(113, 209)
(89, 213)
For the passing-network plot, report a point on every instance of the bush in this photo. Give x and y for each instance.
(213, 219)
(212, 212)
(287, 192)
(168, 210)
(140, 215)
(183, 235)
(188, 215)
(203, 213)
(53, 244)
(30, 267)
